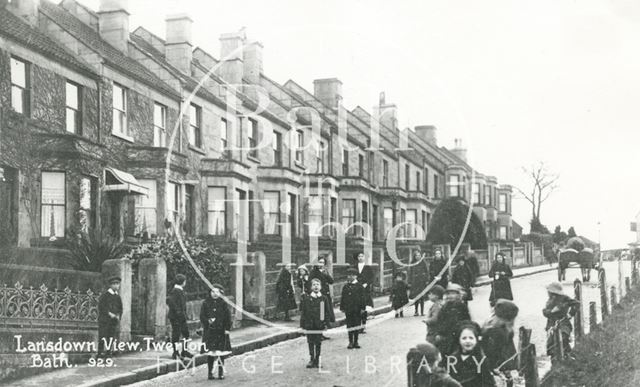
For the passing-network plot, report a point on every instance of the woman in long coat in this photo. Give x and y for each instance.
(501, 273)
(284, 290)
(216, 321)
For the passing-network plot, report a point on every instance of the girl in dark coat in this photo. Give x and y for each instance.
(462, 276)
(284, 290)
(216, 321)
(468, 364)
(497, 338)
(304, 281)
(500, 272)
(418, 280)
(399, 296)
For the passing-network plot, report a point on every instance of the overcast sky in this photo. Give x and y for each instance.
(548, 80)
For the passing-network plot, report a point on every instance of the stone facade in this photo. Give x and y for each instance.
(401, 180)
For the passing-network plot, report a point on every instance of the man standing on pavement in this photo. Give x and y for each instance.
(109, 313)
(177, 302)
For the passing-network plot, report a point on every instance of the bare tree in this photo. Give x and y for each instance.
(543, 184)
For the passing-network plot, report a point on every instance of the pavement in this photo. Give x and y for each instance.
(148, 363)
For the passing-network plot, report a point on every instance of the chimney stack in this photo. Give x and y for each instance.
(427, 133)
(231, 48)
(178, 48)
(328, 91)
(388, 113)
(26, 10)
(459, 150)
(114, 23)
(252, 58)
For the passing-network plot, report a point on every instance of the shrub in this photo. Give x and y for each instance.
(448, 223)
(544, 240)
(203, 253)
(90, 249)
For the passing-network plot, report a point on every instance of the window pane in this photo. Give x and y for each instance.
(71, 120)
(18, 73)
(53, 187)
(117, 121)
(53, 204)
(216, 211)
(145, 206)
(17, 99)
(158, 115)
(72, 95)
(118, 97)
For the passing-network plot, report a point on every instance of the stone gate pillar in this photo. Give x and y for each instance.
(122, 269)
(152, 273)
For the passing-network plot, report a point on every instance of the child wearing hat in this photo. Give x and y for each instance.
(558, 311)
(497, 337)
(399, 294)
(451, 314)
(177, 303)
(109, 313)
(215, 317)
(353, 304)
(435, 295)
(314, 318)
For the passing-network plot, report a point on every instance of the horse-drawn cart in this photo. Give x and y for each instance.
(585, 259)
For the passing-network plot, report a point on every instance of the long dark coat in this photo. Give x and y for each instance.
(352, 301)
(325, 280)
(451, 314)
(418, 279)
(466, 371)
(215, 336)
(399, 297)
(434, 269)
(366, 276)
(497, 343)
(462, 276)
(501, 285)
(284, 290)
(177, 303)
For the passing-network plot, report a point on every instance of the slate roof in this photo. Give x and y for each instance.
(16, 29)
(111, 55)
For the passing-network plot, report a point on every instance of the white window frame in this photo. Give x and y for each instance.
(120, 112)
(159, 125)
(73, 112)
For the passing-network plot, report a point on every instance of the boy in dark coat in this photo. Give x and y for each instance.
(109, 313)
(497, 338)
(452, 313)
(365, 277)
(177, 302)
(285, 292)
(314, 318)
(436, 266)
(352, 303)
(399, 296)
(320, 272)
